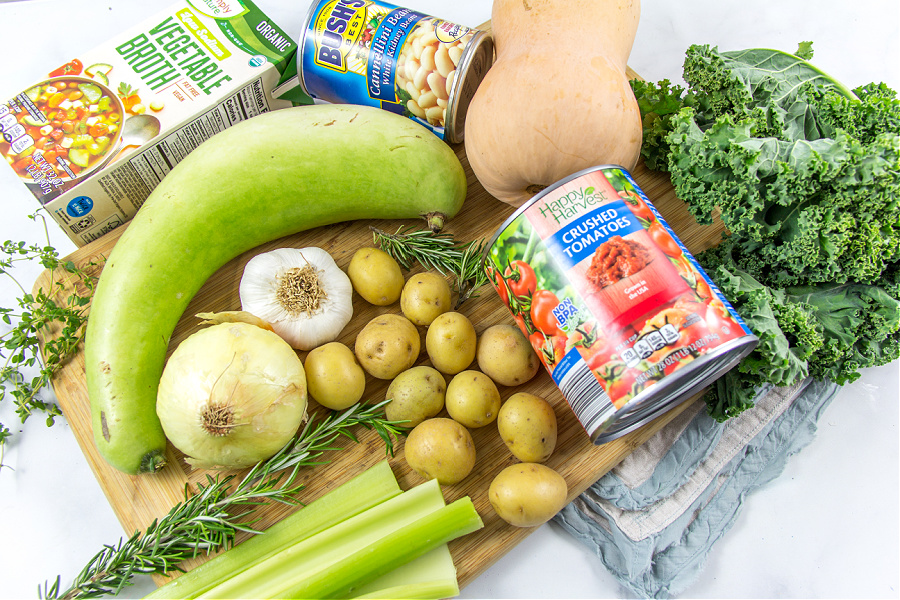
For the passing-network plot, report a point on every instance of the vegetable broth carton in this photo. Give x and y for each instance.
(92, 138)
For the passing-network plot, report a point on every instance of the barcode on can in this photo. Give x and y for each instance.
(586, 397)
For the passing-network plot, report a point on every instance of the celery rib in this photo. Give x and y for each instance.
(269, 578)
(339, 580)
(431, 576)
(365, 491)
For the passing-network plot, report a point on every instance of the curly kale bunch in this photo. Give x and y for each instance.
(805, 174)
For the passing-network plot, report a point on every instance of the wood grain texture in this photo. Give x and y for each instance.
(137, 500)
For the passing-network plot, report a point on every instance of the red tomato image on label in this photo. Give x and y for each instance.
(542, 304)
(521, 278)
(703, 289)
(637, 205)
(501, 286)
(550, 349)
(665, 241)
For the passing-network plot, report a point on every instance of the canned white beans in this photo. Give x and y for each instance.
(620, 313)
(377, 54)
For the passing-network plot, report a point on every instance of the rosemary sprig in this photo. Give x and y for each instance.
(438, 251)
(38, 312)
(209, 519)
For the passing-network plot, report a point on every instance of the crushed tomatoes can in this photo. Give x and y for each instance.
(377, 54)
(620, 313)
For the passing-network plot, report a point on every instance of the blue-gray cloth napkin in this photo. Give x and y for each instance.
(653, 519)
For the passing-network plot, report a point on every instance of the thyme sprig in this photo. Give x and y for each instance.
(439, 251)
(37, 313)
(209, 519)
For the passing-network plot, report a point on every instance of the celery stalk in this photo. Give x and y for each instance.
(340, 579)
(432, 575)
(268, 578)
(368, 489)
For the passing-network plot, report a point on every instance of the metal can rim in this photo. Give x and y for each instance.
(482, 41)
(658, 401)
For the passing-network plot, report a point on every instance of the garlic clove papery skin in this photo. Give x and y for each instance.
(259, 289)
(249, 379)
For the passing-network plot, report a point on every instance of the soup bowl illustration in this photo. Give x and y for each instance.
(64, 127)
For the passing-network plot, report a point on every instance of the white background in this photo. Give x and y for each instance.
(828, 527)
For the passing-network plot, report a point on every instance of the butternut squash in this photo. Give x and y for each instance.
(557, 99)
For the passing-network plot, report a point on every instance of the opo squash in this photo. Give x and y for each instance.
(557, 99)
(267, 177)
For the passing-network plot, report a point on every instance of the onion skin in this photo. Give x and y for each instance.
(270, 176)
(247, 372)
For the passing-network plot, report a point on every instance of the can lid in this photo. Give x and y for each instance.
(474, 64)
(675, 389)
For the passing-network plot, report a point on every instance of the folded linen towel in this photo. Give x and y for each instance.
(654, 518)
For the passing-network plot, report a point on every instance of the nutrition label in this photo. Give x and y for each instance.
(132, 181)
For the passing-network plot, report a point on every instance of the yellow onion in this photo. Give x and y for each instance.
(231, 395)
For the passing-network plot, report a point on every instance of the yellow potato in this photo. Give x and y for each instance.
(440, 449)
(375, 276)
(527, 494)
(472, 399)
(333, 376)
(450, 342)
(415, 395)
(388, 345)
(506, 356)
(424, 297)
(527, 426)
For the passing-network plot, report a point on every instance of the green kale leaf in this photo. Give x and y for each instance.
(805, 174)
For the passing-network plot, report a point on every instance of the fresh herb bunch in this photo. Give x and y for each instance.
(208, 520)
(438, 251)
(805, 175)
(40, 312)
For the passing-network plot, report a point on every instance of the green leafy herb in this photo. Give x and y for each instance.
(209, 519)
(37, 314)
(438, 251)
(805, 174)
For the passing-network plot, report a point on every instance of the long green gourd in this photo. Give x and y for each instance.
(262, 179)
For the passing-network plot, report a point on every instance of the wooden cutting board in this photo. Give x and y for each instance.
(137, 500)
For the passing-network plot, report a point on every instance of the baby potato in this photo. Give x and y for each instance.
(506, 356)
(415, 395)
(424, 297)
(333, 376)
(441, 449)
(375, 276)
(450, 342)
(527, 494)
(388, 345)
(472, 399)
(527, 426)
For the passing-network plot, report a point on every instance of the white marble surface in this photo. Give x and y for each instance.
(828, 527)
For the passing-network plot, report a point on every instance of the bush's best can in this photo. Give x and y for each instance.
(377, 54)
(620, 313)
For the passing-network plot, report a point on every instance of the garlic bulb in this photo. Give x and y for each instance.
(302, 293)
